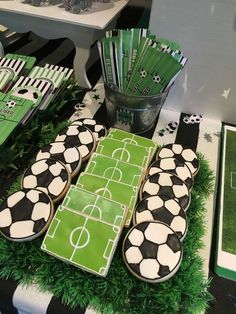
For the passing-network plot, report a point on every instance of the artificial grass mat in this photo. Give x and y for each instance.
(119, 292)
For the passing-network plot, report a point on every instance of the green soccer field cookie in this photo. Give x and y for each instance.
(95, 205)
(127, 137)
(130, 153)
(81, 240)
(113, 190)
(114, 169)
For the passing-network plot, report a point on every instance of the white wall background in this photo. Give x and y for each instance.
(206, 31)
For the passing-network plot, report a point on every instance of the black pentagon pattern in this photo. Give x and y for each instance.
(183, 201)
(173, 242)
(142, 226)
(39, 225)
(148, 249)
(163, 271)
(127, 244)
(135, 268)
(22, 210)
(176, 180)
(163, 214)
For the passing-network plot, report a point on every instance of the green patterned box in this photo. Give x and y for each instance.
(116, 191)
(12, 110)
(95, 205)
(130, 153)
(114, 169)
(81, 240)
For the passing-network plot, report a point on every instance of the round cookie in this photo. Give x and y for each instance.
(168, 186)
(48, 175)
(68, 154)
(152, 251)
(25, 215)
(175, 166)
(167, 211)
(97, 129)
(79, 136)
(182, 152)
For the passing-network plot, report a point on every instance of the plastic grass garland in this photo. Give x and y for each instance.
(120, 292)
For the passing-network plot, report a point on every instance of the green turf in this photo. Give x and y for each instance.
(229, 201)
(120, 292)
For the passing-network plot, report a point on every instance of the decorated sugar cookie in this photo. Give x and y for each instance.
(181, 152)
(79, 136)
(48, 175)
(172, 165)
(167, 211)
(25, 215)
(66, 153)
(168, 186)
(97, 129)
(152, 251)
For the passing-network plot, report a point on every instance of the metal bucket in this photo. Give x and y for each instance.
(135, 114)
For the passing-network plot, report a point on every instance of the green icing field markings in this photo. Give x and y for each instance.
(116, 191)
(117, 170)
(85, 242)
(130, 153)
(95, 205)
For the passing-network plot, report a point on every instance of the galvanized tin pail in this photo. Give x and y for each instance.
(135, 114)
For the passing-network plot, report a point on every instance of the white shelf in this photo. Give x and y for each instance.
(98, 17)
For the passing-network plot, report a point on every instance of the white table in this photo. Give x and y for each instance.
(54, 22)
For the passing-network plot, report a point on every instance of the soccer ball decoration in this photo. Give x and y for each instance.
(10, 104)
(168, 186)
(143, 73)
(156, 79)
(98, 130)
(28, 92)
(183, 153)
(79, 136)
(171, 126)
(25, 215)
(152, 251)
(66, 153)
(172, 165)
(193, 119)
(48, 175)
(167, 211)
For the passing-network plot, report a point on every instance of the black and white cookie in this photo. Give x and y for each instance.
(152, 251)
(97, 129)
(183, 153)
(79, 136)
(168, 186)
(168, 211)
(68, 154)
(48, 175)
(175, 166)
(25, 215)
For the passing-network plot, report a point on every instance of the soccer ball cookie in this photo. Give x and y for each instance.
(79, 136)
(25, 215)
(48, 175)
(66, 153)
(152, 251)
(168, 186)
(168, 211)
(172, 165)
(97, 129)
(184, 153)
